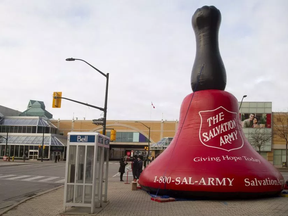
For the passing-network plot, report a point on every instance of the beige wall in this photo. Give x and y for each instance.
(158, 129)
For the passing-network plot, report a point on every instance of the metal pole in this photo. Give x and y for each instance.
(148, 135)
(6, 145)
(105, 104)
(149, 144)
(242, 101)
(106, 93)
(42, 145)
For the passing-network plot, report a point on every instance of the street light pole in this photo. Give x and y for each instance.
(148, 135)
(242, 101)
(106, 92)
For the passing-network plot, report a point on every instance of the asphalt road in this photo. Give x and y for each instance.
(20, 181)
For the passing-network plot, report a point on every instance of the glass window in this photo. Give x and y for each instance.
(26, 151)
(260, 110)
(2, 150)
(135, 137)
(253, 110)
(245, 110)
(277, 157)
(11, 153)
(268, 110)
(16, 150)
(46, 150)
(71, 164)
(89, 164)
(117, 153)
(80, 165)
(268, 105)
(21, 150)
(244, 105)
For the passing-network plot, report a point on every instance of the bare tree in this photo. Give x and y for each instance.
(259, 138)
(280, 126)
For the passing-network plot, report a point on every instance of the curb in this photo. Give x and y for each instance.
(16, 164)
(28, 198)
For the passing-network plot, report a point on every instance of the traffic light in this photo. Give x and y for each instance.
(39, 146)
(44, 147)
(112, 135)
(57, 101)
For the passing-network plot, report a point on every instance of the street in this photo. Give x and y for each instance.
(19, 180)
(23, 180)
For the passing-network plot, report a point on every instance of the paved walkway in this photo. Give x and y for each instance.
(124, 201)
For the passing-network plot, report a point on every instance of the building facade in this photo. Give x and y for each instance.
(25, 134)
(131, 136)
(29, 134)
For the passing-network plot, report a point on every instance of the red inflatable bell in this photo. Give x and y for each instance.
(209, 156)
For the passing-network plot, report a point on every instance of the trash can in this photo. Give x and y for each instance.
(284, 164)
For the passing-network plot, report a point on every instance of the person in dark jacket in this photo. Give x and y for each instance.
(139, 167)
(134, 168)
(123, 163)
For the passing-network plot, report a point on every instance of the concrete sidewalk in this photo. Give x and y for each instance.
(124, 201)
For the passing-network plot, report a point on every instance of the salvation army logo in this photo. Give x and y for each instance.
(220, 129)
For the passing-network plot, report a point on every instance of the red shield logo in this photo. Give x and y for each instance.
(220, 129)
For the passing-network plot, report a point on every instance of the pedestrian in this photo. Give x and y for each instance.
(55, 157)
(139, 167)
(134, 168)
(123, 163)
(58, 157)
(24, 157)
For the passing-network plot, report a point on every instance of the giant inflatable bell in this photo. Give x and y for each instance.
(209, 156)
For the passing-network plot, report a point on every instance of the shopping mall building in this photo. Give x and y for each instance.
(27, 130)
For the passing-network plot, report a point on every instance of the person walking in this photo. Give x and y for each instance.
(123, 163)
(139, 167)
(134, 168)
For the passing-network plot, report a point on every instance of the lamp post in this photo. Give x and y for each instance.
(148, 135)
(242, 101)
(106, 92)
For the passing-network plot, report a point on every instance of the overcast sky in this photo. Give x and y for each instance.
(147, 47)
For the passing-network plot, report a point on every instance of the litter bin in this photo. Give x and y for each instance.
(284, 164)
